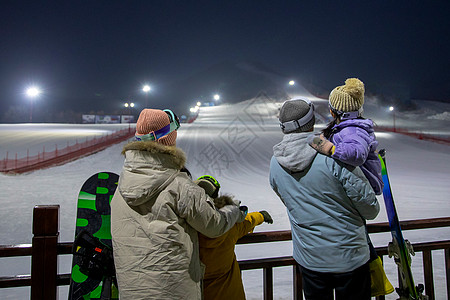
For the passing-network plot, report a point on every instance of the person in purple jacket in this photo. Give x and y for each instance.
(350, 138)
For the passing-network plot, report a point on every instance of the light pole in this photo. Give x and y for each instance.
(32, 92)
(391, 108)
(129, 106)
(146, 88)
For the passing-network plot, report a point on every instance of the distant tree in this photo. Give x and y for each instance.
(16, 114)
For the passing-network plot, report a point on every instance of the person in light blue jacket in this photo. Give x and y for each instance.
(327, 204)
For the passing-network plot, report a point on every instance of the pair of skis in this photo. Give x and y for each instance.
(399, 248)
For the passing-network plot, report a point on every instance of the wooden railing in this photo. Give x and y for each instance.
(45, 249)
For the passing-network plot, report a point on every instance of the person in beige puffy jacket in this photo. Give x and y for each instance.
(157, 213)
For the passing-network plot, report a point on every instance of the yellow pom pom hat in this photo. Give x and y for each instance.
(347, 100)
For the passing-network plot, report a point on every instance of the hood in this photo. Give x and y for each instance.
(148, 168)
(293, 152)
(365, 124)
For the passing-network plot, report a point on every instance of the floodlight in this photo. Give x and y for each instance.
(146, 88)
(33, 92)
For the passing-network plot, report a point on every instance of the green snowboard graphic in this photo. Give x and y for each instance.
(93, 275)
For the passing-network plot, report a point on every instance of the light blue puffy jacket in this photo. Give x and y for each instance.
(326, 202)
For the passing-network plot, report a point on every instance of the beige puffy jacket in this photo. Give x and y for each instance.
(156, 213)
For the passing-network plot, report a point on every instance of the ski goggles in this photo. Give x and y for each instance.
(210, 179)
(156, 135)
(174, 121)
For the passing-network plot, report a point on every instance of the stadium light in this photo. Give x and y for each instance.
(391, 108)
(146, 88)
(32, 93)
(292, 82)
(194, 109)
(129, 105)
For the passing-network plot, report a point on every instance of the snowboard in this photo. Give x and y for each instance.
(93, 272)
(399, 248)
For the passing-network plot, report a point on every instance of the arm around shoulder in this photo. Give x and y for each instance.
(199, 212)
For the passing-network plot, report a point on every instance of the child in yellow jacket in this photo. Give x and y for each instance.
(222, 279)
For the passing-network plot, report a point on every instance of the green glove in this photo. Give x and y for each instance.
(267, 217)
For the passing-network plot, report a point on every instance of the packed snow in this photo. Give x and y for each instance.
(233, 143)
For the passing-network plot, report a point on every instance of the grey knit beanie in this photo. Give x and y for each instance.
(297, 115)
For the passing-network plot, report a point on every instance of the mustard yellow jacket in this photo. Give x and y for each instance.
(222, 278)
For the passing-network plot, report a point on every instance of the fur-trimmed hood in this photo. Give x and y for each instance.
(149, 167)
(179, 158)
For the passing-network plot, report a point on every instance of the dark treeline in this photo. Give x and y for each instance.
(21, 114)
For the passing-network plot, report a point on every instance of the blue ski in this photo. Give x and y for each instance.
(400, 249)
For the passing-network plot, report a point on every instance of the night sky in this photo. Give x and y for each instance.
(104, 51)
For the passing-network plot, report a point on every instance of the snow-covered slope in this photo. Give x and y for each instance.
(234, 143)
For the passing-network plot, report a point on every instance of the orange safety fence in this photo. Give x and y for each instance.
(45, 159)
(442, 139)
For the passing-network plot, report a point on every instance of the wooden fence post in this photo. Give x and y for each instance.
(268, 283)
(447, 269)
(298, 285)
(428, 274)
(44, 261)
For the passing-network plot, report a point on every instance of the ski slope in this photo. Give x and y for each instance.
(234, 143)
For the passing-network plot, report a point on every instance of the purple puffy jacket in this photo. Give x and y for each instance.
(356, 144)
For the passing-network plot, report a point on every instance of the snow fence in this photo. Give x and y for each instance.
(46, 159)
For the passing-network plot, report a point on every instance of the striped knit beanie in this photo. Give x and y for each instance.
(348, 97)
(152, 120)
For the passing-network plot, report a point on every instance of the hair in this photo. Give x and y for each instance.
(329, 129)
(185, 170)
